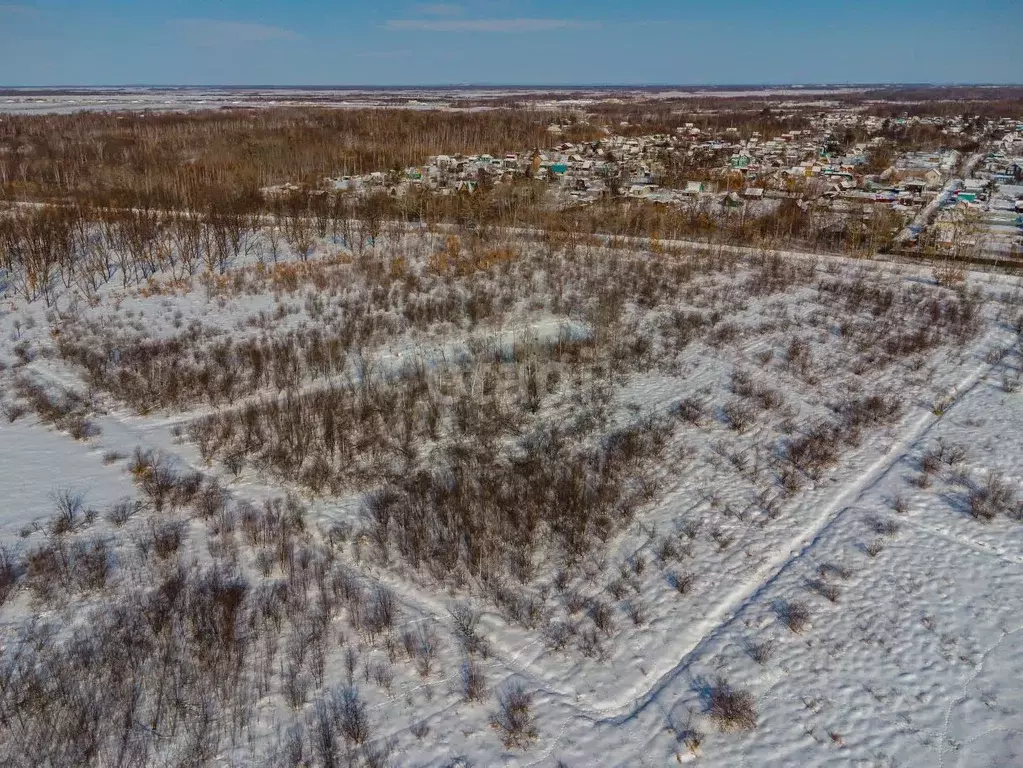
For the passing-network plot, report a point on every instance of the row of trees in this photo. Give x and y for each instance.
(46, 248)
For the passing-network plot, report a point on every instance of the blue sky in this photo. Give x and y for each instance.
(386, 42)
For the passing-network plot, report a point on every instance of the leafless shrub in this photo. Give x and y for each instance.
(210, 501)
(874, 547)
(141, 462)
(738, 415)
(732, 709)
(112, 457)
(941, 404)
(883, 526)
(760, 651)
(744, 387)
(668, 550)
(420, 729)
(949, 454)
(13, 411)
(421, 645)
(617, 588)
(474, 681)
(691, 410)
(340, 712)
(380, 611)
(691, 528)
(638, 565)
(721, 537)
(466, 619)
(235, 463)
(383, 673)
(815, 450)
(635, 611)
(602, 616)
(9, 574)
(589, 643)
(526, 609)
(91, 564)
(687, 734)
(798, 356)
(682, 581)
(290, 750)
(791, 480)
(351, 663)
(187, 487)
(69, 506)
(80, 428)
(795, 614)
(693, 739)
(156, 477)
(826, 589)
(166, 538)
(831, 570)
(742, 383)
(996, 497)
(65, 410)
(862, 413)
(514, 719)
(47, 571)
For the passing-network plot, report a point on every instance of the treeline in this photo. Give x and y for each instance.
(982, 101)
(791, 222)
(647, 117)
(44, 249)
(186, 161)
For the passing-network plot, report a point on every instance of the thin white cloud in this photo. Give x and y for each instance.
(215, 32)
(488, 25)
(438, 9)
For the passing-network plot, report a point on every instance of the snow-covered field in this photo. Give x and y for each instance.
(155, 98)
(798, 479)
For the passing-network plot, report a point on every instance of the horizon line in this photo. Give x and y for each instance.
(483, 86)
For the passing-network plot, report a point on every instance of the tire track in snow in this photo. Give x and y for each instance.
(798, 547)
(718, 621)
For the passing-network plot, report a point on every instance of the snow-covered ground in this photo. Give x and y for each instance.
(70, 100)
(872, 618)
